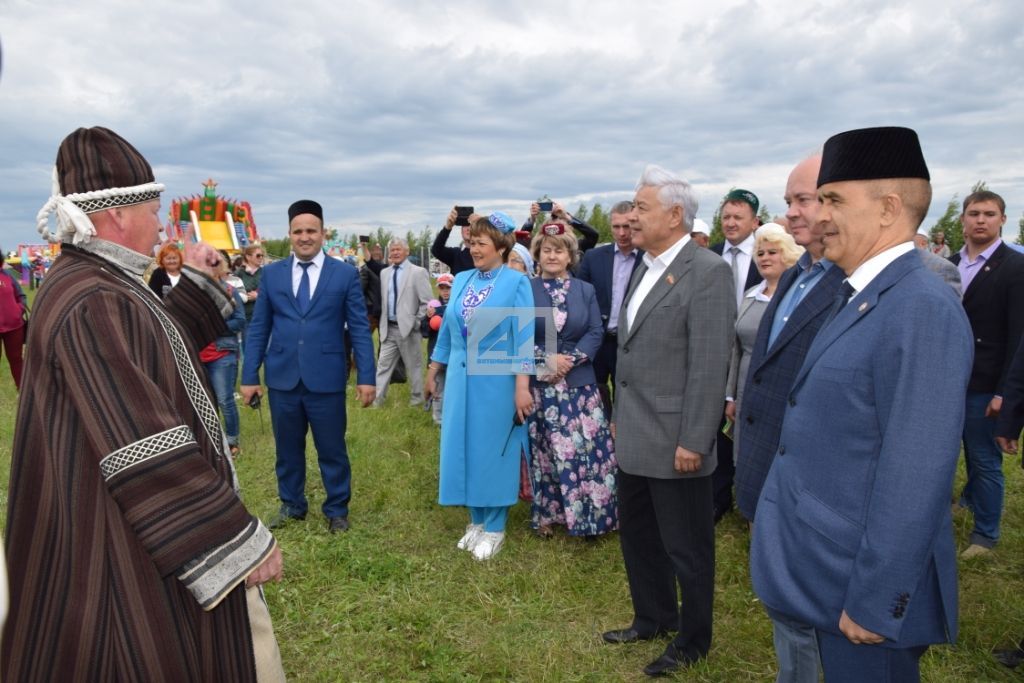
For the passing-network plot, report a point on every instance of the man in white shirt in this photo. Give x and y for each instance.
(853, 535)
(404, 293)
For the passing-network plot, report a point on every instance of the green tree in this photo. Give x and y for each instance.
(763, 215)
(1020, 233)
(278, 248)
(949, 226)
(601, 221)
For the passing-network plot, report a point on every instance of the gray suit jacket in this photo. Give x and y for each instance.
(413, 294)
(944, 268)
(672, 365)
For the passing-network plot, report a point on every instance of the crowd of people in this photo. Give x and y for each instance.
(642, 387)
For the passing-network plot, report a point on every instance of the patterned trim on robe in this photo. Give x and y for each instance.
(214, 574)
(193, 384)
(143, 449)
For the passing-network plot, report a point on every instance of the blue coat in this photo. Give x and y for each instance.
(855, 512)
(480, 448)
(309, 347)
(582, 331)
(770, 377)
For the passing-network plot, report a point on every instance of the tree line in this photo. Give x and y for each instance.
(598, 217)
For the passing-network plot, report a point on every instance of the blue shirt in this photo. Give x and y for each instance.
(810, 275)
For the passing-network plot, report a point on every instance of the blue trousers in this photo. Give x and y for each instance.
(983, 492)
(844, 662)
(292, 413)
(223, 374)
(493, 519)
(796, 649)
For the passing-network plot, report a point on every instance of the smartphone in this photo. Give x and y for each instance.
(364, 239)
(545, 206)
(462, 214)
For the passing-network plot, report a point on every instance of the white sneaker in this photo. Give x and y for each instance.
(975, 550)
(488, 545)
(470, 538)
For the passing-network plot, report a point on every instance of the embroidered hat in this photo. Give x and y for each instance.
(96, 169)
(872, 154)
(502, 221)
(553, 229)
(746, 196)
(524, 254)
(445, 280)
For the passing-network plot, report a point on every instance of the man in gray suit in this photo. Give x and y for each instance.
(405, 291)
(938, 265)
(675, 336)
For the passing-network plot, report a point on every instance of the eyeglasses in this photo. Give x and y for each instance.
(257, 255)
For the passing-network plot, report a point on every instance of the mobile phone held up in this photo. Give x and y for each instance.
(462, 214)
(364, 239)
(545, 206)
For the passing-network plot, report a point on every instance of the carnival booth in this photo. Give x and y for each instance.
(223, 223)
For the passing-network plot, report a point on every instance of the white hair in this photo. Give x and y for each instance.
(672, 191)
(398, 241)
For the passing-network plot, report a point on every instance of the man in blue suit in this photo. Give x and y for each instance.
(796, 313)
(853, 535)
(609, 268)
(305, 304)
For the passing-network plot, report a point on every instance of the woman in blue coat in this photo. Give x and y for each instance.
(486, 403)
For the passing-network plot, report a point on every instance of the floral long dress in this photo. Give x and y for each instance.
(573, 466)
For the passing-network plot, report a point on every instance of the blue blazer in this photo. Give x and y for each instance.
(583, 329)
(309, 348)
(770, 377)
(855, 512)
(596, 268)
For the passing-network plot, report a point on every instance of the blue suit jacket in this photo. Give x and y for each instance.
(855, 513)
(770, 377)
(596, 268)
(582, 330)
(309, 348)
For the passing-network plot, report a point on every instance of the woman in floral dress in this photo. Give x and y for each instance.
(573, 461)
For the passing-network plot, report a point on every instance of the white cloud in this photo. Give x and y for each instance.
(390, 112)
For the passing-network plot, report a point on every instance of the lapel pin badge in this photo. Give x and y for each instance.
(669, 279)
(863, 307)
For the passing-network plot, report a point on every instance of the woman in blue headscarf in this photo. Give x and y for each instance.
(487, 394)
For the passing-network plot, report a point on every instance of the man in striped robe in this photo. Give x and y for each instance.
(128, 547)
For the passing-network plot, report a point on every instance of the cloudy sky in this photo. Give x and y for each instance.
(390, 112)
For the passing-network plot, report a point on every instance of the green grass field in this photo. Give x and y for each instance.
(394, 600)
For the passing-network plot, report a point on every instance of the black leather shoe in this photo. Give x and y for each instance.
(283, 517)
(668, 663)
(1010, 658)
(628, 635)
(336, 524)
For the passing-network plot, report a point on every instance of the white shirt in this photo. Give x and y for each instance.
(655, 269)
(743, 260)
(314, 273)
(870, 269)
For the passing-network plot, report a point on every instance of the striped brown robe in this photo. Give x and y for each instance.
(127, 544)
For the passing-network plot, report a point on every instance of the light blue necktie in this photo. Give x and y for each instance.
(303, 295)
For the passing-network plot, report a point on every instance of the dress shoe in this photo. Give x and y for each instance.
(336, 524)
(975, 550)
(1010, 658)
(488, 545)
(668, 663)
(470, 538)
(628, 635)
(284, 517)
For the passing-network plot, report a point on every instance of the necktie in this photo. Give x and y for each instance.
(303, 295)
(842, 296)
(735, 251)
(393, 295)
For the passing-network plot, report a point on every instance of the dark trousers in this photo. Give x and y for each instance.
(13, 341)
(292, 413)
(604, 370)
(844, 662)
(668, 540)
(722, 477)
